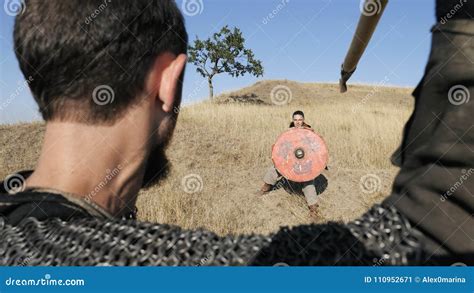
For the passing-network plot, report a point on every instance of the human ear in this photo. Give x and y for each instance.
(170, 82)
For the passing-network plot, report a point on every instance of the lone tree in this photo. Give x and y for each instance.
(224, 52)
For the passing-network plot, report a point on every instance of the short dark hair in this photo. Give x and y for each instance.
(71, 50)
(297, 113)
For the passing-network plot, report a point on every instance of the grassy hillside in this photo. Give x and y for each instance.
(221, 150)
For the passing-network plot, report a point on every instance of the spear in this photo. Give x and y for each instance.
(371, 12)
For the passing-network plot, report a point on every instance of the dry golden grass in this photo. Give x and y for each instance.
(227, 145)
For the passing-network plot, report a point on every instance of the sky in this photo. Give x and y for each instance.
(300, 40)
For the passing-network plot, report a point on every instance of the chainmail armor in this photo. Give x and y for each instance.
(382, 236)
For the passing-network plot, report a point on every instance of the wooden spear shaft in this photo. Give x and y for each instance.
(372, 11)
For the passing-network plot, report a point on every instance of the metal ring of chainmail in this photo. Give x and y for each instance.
(381, 235)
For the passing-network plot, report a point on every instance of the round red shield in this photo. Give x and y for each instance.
(300, 155)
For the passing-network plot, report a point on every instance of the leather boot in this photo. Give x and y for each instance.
(266, 188)
(314, 211)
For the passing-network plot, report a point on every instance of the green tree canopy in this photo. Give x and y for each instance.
(224, 52)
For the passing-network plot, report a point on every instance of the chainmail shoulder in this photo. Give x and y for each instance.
(120, 242)
(381, 236)
(389, 235)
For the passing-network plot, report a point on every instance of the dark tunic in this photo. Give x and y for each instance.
(435, 185)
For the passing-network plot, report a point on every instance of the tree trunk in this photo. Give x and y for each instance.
(211, 88)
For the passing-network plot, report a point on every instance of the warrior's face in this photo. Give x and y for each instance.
(298, 120)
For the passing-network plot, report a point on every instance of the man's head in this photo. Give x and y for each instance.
(298, 119)
(93, 61)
